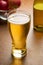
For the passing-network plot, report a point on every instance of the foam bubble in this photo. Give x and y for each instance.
(18, 18)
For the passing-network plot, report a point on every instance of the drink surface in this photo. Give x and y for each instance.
(38, 6)
(38, 16)
(18, 18)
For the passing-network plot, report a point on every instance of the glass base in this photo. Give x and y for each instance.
(17, 53)
(38, 28)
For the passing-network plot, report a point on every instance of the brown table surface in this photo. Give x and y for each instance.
(34, 43)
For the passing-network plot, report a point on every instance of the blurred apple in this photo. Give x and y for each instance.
(9, 4)
(3, 5)
(14, 3)
(5, 0)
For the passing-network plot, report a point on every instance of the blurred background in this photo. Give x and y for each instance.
(6, 5)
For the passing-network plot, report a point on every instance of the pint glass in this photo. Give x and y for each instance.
(19, 24)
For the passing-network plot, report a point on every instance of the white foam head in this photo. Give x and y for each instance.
(18, 18)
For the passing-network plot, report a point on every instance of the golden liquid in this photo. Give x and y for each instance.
(17, 62)
(38, 16)
(19, 34)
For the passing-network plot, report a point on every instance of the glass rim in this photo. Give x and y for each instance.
(3, 10)
(20, 11)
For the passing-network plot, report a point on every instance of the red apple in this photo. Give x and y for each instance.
(3, 5)
(6, 0)
(14, 3)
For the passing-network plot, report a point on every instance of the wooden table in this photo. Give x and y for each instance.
(34, 43)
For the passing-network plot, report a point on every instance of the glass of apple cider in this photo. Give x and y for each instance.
(19, 25)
